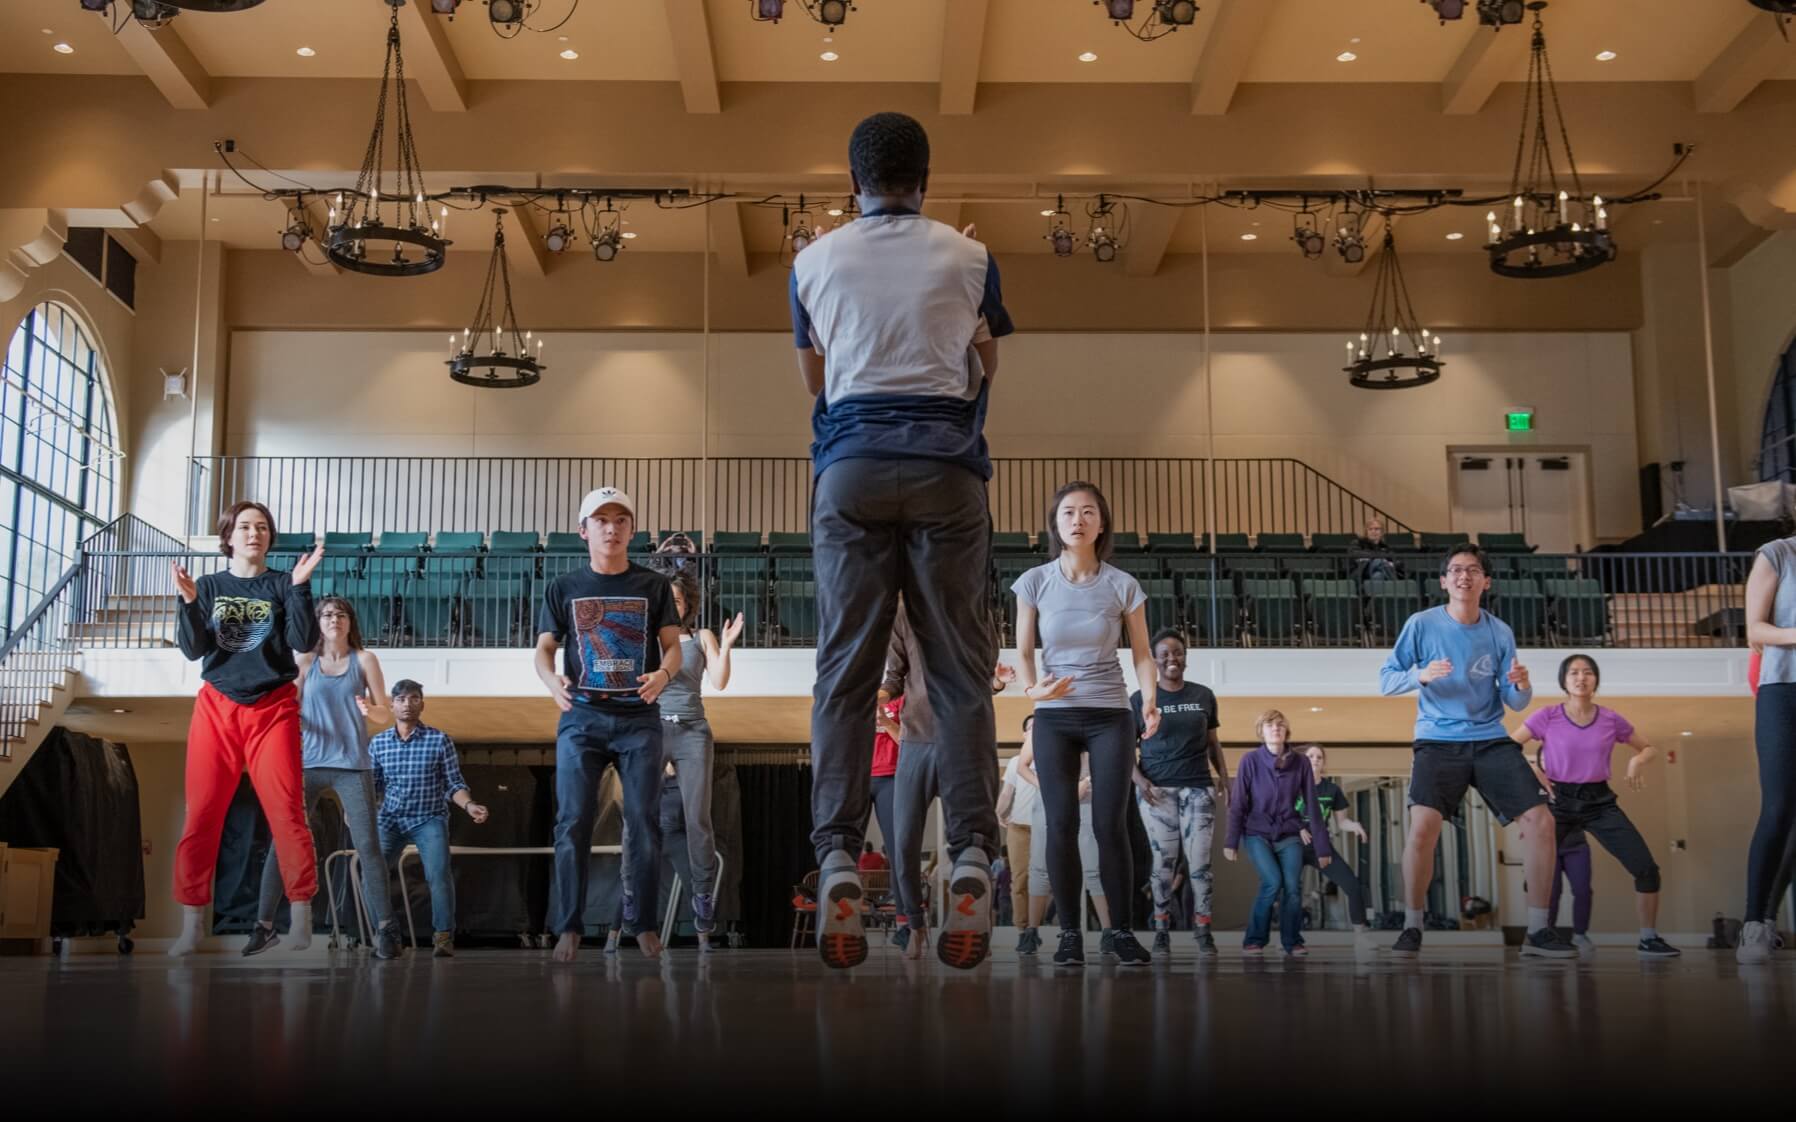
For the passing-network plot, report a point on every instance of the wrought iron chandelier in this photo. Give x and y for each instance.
(507, 361)
(1551, 230)
(1394, 352)
(360, 238)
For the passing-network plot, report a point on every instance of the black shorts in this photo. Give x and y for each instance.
(1443, 769)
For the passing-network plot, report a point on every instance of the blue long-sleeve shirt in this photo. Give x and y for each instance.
(1468, 703)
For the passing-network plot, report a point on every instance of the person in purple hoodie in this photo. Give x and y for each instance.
(1271, 783)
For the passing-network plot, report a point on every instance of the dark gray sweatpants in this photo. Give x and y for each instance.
(878, 528)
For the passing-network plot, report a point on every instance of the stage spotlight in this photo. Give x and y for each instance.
(608, 245)
(1118, 10)
(1062, 240)
(1447, 9)
(559, 237)
(445, 7)
(95, 5)
(1350, 243)
(1103, 245)
(833, 13)
(294, 237)
(1060, 234)
(1307, 238)
(1499, 13)
(505, 13)
(801, 238)
(1176, 13)
(770, 11)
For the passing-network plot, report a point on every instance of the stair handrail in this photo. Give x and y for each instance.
(24, 687)
(1391, 521)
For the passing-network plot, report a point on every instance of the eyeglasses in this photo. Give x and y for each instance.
(1465, 571)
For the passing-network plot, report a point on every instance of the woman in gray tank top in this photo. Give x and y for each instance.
(341, 689)
(1771, 627)
(690, 751)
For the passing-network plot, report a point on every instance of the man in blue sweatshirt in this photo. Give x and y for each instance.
(1461, 660)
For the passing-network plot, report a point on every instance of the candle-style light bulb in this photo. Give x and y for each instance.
(1516, 220)
(1562, 202)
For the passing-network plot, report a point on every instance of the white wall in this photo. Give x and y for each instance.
(1762, 323)
(630, 394)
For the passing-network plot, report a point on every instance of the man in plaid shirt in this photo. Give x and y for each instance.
(418, 776)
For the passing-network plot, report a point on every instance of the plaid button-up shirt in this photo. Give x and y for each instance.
(417, 778)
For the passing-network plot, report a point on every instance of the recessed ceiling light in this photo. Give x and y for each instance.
(561, 38)
(1346, 56)
(1315, 709)
(829, 56)
(217, 220)
(121, 710)
(629, 233)
(1088, 56)
(1455, 236)
(1355, 39)
(46, 31)
(1686, 732)
(1049, 213)
(1250, 237)
(570, 54)
(834, 212)
(63, 49)
(1605, 56)
(305, 52)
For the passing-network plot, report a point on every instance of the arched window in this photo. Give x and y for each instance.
(1777, 444)
(58, 455)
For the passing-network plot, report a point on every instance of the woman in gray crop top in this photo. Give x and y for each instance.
(689, 748)
(341, 689)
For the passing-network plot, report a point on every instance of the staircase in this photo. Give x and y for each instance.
(1705, 616)
(37, 687)
(128, 621)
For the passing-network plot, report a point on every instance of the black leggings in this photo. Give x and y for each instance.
(1108, 735)
(1774, 732)
(1591, 807)
(1345, 879)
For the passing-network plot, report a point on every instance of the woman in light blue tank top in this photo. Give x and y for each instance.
(341, 689)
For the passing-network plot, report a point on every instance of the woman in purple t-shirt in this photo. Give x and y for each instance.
(1576, 740)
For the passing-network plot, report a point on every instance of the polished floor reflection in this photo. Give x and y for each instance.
(771, 1031)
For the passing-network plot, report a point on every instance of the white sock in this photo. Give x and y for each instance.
(1648, 933)
(193, 917)
(1412, 917)
(299, 933)
(1538, 918)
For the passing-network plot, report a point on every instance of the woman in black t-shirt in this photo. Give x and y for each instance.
(1175, 789)
(1331, 804)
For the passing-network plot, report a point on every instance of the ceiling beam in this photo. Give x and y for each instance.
(690, 28)
(166, 62)
(963, 41)
(1150, 233)
(1488, 58)
(728, 239)
(1235, 30)
(1754, 56)
(433, 61)
(524, 248)
(312, 255)
(140, 242)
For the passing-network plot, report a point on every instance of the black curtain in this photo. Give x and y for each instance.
(776, 847)
(78, 795)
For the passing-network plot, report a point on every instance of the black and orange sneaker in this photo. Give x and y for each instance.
(841, 934)
(966, 936)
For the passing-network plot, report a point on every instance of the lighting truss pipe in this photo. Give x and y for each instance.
(1708, 355)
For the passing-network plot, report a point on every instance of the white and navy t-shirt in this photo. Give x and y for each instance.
(894, 301)
(608, 625)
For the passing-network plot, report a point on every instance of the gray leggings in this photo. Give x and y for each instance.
(355, 791)
(689, 745)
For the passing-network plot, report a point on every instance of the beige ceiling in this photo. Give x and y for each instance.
(900, 41)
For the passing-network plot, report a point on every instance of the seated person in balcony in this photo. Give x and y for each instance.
(1371, 554)
(896, 319)
(616, 627)
(245, 624)
(419, 776)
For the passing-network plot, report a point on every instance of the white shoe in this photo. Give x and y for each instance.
(192, 917)
(1756, 943)
(841, 934)
(1586, 948)
(299, 931)
(966, 936)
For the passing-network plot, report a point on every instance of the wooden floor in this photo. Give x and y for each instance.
(771, 1032)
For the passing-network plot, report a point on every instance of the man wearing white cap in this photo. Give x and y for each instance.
(618, 632)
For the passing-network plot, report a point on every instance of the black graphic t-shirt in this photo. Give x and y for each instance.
(1329, 798)
(247, 631)
(1178, 755)
(608, 625)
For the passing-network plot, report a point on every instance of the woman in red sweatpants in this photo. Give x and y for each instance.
(246, 624)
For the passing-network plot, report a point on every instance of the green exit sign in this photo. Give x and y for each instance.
(1520, 420)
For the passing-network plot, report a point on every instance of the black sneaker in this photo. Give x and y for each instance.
(1409, 944)
(1656, 947)
(260, 939)
(386, 942)
(1163, 942)
(1128, 949)
(901, 936)
(1028, 941)
(1206, 942)
(1107, 943)
(1546, 943)
(1071, 951)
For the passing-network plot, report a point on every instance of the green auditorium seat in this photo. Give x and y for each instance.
(1579, 610)
(469, 545)
(1162, 604)
(1233, 543)
(1195, 566)
(742, 587)
(1332, 543)
(1505, 543)
(1440, 543)
(1213, 610)
(565, 541)
(1012, 541)
(1141, 566)
(796, 603)
(1281, 543)
(397, 555)
(302, 542)
(513, 553)
(1245, 566)
(1166, 542)
(1125, 541)
(1005, 571)
(1389, 603)
(794, 568)
(1312, 566)
(1272, 609)
(1333, 611)
(782, 541)
(500, 610)
(736, 541)
(344, 554)
(428, 609)
(1541, 568)
(1520, 604)
(374, 599)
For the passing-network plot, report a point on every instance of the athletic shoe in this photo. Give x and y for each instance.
(1028, 941)
(704, 913)
(901, 936)
(1656, 947)
(1362, 942)
(1071, 951)
(966, 937)
(1299, 951)
(1206, 942)
(1255, 949)
(1163, 942)
(1409, 943)
(260, 939)
(1546, 943)
(1756, 943)
(612, 938)
(1585, 944)
(841, 936)
(443, 944)
(386, 941)
(1127, 949)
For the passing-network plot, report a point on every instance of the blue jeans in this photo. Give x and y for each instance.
(587, 741)
(1280, 865)
(432, 839)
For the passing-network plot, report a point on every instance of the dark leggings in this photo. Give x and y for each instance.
(1591, 808)
(1775, 733)
(1573, 865)
(1345, 879)
(1108, 735)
